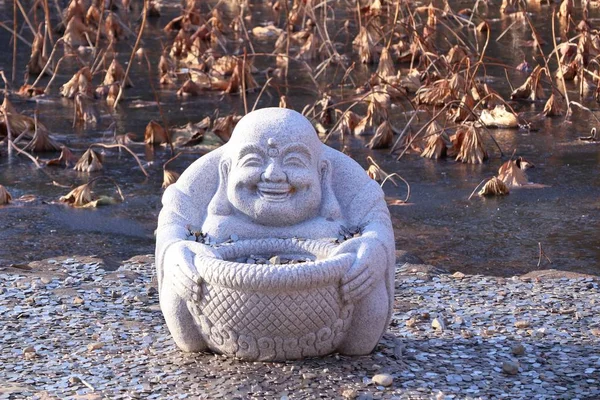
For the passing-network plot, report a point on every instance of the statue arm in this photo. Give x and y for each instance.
(374, 248)
(175, 249)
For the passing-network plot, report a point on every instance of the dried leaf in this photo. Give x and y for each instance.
(494, 187)
(5, 197)
(384, 136)
(67, 158)
(169, 178)
(436, 94)
(499, 117)
(512, 175)
(191, 88)
(284, 102)
(84, 110)
(224, 65)
(456, 55)
(155, 133)
(30, 91)
(463, 112)
(81, 82)
(38, 59)
(532, 88)
(553, 107)
(471, 149)
(81, 196)
(90, 161)
(113, 27)
(223, 127)
(116, 74)
(437, 142)
(385, 68)
(42, 141)
(348, 123)
(75, 33)
(78, 197)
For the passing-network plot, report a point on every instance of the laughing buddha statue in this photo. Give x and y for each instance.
(275, 182)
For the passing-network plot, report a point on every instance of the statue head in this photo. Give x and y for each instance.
(273, 170)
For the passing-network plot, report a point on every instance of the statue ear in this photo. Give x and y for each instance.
(219, 205)
(330, 208)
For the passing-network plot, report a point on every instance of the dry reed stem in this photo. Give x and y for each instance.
(135, 47)
(120, 146)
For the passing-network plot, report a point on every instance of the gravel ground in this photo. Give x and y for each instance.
(69, 329)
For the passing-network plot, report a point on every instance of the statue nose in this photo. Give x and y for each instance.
(273, 173)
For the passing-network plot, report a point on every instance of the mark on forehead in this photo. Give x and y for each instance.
(273, 151)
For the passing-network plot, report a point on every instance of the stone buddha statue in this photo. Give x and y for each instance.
(275, 179)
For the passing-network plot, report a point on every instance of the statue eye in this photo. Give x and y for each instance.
(251, 161)
(295, 161)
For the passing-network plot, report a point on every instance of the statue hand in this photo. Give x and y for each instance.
(366, 270)
(183, 273)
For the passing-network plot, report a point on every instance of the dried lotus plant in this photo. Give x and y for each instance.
(81, 82)
(532, 88)
(66, 158)
(241, 79)
(81, 196)
(194, 133)
(383, 138)
(38, 60)
(169, 178)
(499, 117)
(553, 106)
(365, 42)
(224, 66)
(191, 88)
(512, 175)
(436, 142)
(155, 134)
(284, 102)
(471, 150)
(18, 124)
(438, 93)
(77, 33)
(223, 127)
(41, 140)
(90, 161)
(347, 123)
(116, 74)
(386, 69)
(5, 197)
(463, 111)
(113, 27)
(84, 110)
(494, 187)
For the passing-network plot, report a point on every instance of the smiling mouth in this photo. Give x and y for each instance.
(276, 193)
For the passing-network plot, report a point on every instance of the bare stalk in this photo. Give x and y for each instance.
(133, 51)
(120, 146)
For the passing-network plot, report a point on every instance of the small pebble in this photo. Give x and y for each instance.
(510, 367)
(383, 379)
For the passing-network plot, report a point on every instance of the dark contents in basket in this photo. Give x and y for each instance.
(273, 260)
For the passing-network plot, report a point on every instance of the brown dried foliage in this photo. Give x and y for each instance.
(494, 187)
(155, 134)
(5, 197)
(90, 161)
(384, 136)
(470, 146)
(512, 175)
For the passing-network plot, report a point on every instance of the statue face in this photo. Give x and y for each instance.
(275, 183)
